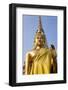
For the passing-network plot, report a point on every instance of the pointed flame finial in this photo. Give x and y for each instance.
(39, 25)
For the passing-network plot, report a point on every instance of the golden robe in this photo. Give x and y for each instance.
(44, 62)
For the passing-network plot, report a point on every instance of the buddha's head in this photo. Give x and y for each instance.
(40, 38)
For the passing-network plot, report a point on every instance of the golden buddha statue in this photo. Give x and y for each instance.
(41, 59)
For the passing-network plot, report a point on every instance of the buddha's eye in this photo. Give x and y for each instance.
(39, 37)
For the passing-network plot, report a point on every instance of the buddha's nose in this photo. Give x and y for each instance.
(39, 40)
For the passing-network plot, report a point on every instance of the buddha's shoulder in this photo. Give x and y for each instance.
(45, 49)
(31, 53)
(49, 50)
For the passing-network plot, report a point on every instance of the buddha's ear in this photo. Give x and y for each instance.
(34, 40)
(52, 46)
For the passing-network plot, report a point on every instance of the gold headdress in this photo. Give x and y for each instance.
(40, 31)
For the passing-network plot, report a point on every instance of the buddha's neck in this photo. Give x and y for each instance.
(38, 47)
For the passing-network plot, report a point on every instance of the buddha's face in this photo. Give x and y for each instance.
(39, 40)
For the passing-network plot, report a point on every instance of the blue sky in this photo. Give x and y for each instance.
(30, 25)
